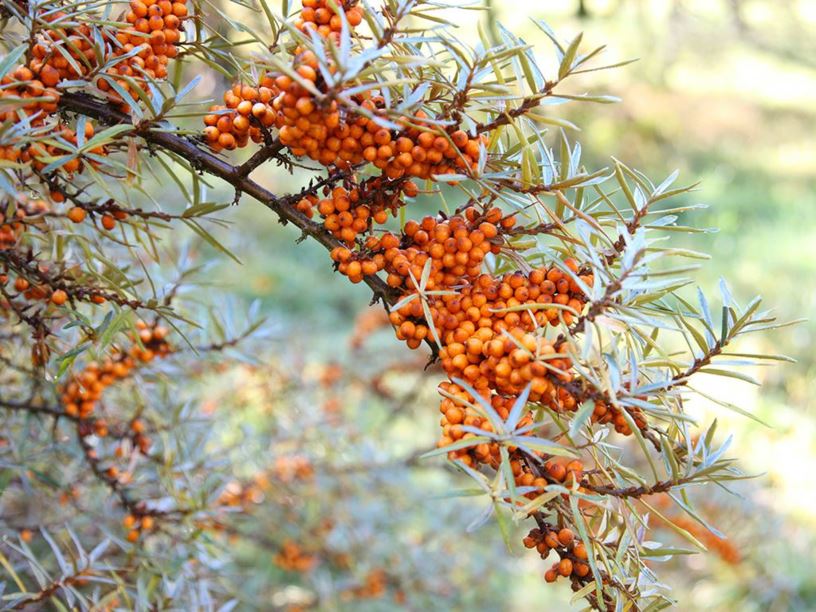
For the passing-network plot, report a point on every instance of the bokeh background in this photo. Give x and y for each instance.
(724, 91)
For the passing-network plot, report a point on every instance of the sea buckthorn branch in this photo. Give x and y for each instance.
(204, 163)
(527, 104)
(34, 408)
(203, 160)
(267, 152)
(84, 426)
(641, 491)
(78, 402)
(510, 334)
(58, 287)
(49, 590)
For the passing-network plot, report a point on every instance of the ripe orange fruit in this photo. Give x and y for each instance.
(77, 214)
(59, 297)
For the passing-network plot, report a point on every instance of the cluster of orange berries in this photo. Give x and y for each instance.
(332, 134)
(455, 248)
(291, 557)
(573, 553)
(565, 473)
(53, 46)
(12, 228)
(155, 30)
(342, 214)
(318, 16)
(137, 525)
(40, 153)
(348, 213)
(108, 220)
(456, 414)
(557, 471)
(36, 292)
(545, 540)
(607, 413)
(248, 111)
(146, 47)
(84, 389)
(491, 328)
(68, 50)
(249, 114)
(58, 141)
(20, 85)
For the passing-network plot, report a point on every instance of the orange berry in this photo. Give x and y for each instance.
(565, 537)
(307, 72)
(565, 567)
(77, 214)
(59, 297)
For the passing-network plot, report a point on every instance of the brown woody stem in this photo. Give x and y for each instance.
(198, 157)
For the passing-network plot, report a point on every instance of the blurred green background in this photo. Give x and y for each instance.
(723, 90)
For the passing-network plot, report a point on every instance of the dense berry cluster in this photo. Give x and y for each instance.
(51, 143)
(572, 553)
(248, 113)
(154, 33)
(343, 137)
(318, 16)
(21, 92)
(129, 55)
(350, 213)
(136, 525)
(454, 249)
(120, 60)
(83, 391)
(563, 541)
(607, 413)
(491, 329)
(317, 126)
(333, 135)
